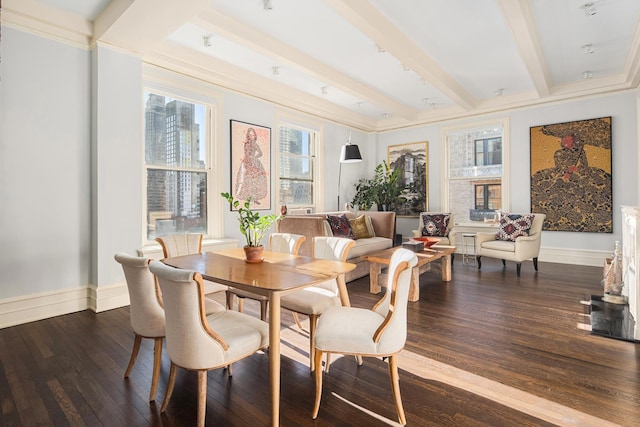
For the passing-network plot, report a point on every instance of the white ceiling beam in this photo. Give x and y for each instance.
(175, 57)
(632, 64)
(283, 53)
(520, 21)
(368, 19)
(138, 25)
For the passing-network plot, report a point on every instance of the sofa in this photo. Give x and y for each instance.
(381, 223)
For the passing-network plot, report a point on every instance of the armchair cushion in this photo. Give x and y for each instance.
(435, 225)
(340, 226)
(513, 226)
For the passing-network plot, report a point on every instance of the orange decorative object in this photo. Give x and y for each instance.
(428, 241)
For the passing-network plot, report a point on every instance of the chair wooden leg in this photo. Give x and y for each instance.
(202, 397)
(318, 374)
(157, 361)
(263, 310)
(518, 266)
(134, 355)
(327, 363)
(395, 386)
(313, 321)
(535, 263)
(170, 384)
(297, 319)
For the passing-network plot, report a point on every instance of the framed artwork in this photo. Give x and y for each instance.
(251, 164)
(571, 175)
(412, 160)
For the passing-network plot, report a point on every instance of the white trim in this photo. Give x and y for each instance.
(573, 256)
(108, 297)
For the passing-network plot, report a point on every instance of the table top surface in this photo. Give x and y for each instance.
(278, 272)
(424, 257)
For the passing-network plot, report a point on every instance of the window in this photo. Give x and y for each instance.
(475, 187)
(298, 173)
(176, 165)
(488, 152)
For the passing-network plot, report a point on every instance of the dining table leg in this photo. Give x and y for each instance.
(274, 356)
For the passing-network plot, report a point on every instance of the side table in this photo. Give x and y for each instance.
(469, 248)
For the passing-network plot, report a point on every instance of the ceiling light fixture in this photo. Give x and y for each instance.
(275, 70)
(588, 48)
(267, 4)
(404, 67)
(587, 75)
(425, 101)
(206, 41)
(359, 104)
(499, 92)
(385, 115)
(589, 9)
(323, 90)
(380, 48)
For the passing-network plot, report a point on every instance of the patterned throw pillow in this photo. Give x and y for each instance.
(340, 226)
(513, 226)
(359, 227)
(435, 225)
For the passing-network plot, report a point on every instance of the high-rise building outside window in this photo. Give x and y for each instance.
(297, 166)
(177, 171)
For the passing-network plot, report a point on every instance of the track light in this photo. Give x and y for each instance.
(587, 75)
(206, 41)
(275, 70)
(589, 9)
(588, 48)
(267, 4)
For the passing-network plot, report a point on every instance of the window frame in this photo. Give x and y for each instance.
(447, 132)
(312, 126)
(165, 83)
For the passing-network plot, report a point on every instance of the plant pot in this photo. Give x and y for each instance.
(253, 254)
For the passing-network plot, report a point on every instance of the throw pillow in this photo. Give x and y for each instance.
(435, 225)
(359, 227)
(372, 231)
(340, 226)
(513, 226)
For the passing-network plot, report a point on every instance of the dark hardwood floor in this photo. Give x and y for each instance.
(487, 349)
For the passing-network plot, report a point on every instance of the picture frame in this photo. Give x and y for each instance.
(412, 160)
(571, 175)
(251, 164)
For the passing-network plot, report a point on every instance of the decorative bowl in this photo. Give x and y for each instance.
(428, 241)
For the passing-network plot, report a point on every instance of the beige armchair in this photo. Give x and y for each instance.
(278, 242)
(523, 248)
(379, 332)
(200, 342)
(446, 236)
(314, 300)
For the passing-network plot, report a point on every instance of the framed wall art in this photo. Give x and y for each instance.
(413, 162)
(251, 163)
(571, 179)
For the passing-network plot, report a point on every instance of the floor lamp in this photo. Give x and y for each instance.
(350, 153)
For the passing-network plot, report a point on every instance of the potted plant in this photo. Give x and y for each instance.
(253, 227)
(383, 189)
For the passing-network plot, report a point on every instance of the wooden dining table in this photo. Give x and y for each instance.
(279, 274)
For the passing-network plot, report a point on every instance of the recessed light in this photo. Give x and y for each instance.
(587, 75)
(589, 9)
(588, 48)
(275, 70)
(206, 41)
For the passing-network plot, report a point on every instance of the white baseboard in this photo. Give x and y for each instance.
(573, 256)
(30, 308)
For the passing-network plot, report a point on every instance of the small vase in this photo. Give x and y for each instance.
(253, 254)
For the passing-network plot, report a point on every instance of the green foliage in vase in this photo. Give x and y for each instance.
(253, 226)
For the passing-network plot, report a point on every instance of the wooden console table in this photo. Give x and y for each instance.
(382, 258)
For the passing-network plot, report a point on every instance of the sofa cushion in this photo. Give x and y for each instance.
(340, 226)
(513, 226)
(366, 246)
(435, 225)
(359, 227)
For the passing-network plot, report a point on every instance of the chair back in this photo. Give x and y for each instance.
(392, 333)
(332, 248)
(191, 343)
(180, 244)
(145, 313)
(286, 242)
(536, 225)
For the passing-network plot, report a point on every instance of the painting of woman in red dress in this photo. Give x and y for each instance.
(251, 176)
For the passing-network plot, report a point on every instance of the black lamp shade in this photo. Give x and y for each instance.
(350, 153)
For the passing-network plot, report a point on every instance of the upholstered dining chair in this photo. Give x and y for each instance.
(187, 244)
(199, 342)
(278, 242)
(379, 332)
(146, 312)
(518, 239)
(314, 300)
